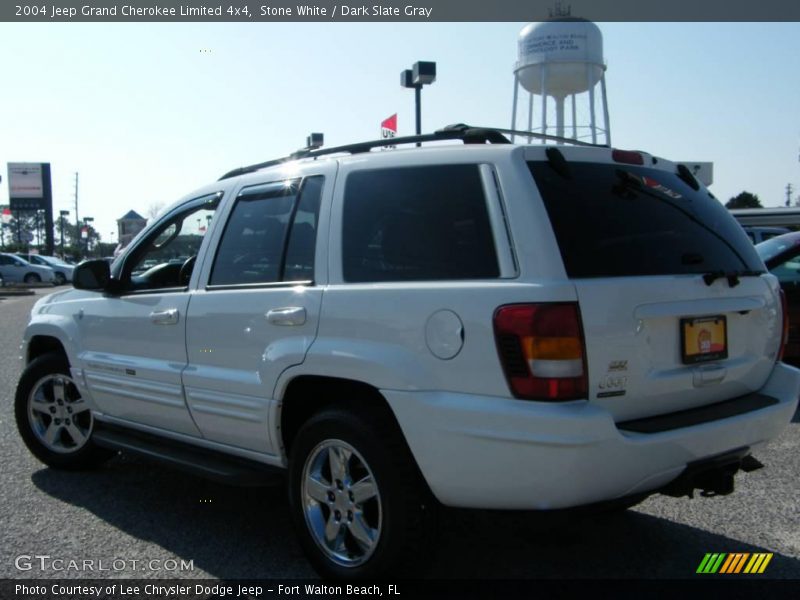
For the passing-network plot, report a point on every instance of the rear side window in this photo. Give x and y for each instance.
(623, 220)
(270, 235)
(416, 224)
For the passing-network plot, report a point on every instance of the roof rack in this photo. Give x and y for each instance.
(548, 137)
(464, 133)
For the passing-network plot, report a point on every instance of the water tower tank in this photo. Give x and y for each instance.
(561, 59)
(571, 49)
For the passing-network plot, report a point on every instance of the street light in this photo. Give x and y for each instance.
(63, 214)
(422, 73)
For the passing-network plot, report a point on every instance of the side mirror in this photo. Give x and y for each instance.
(92, 275)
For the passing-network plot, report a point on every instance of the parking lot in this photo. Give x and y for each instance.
(152, 519)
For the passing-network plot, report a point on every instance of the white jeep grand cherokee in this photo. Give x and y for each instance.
(473, 325)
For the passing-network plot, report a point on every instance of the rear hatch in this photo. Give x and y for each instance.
(676, 307)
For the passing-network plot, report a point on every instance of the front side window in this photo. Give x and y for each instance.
(417, 224)
(166, 259)
(270, 236)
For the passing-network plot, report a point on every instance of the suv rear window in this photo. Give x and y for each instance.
(417, 223)
(624, 220)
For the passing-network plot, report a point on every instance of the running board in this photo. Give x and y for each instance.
(186, 457)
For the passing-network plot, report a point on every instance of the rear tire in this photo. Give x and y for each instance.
(358, 502)
(54, 421)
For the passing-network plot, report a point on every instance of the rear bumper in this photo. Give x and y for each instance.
(498, 453)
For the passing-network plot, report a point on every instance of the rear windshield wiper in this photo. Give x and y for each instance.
(731, 276)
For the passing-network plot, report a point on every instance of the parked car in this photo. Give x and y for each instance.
(61, 269)
(476, 325)
(19, 270)
(762, 234)
(781, 254)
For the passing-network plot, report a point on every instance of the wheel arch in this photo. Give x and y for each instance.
(306, 395)
(45, 337)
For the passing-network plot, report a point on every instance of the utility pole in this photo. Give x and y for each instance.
(789, 194)
(77, 220)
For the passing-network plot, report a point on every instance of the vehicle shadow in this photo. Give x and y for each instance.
(245, 533)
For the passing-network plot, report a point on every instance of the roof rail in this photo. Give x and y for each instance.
(460, 131)
(548, 137)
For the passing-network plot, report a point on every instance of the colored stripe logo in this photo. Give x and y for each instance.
(735, 563)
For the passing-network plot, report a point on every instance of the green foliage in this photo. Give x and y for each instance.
(744, 200)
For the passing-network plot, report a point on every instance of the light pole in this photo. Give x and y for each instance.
(422, 73)
(63, 214)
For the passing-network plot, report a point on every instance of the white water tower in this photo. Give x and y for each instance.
(560, 61)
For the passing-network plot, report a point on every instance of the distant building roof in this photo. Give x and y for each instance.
(132, 215)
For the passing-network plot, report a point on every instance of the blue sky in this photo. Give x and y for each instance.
(147, 112)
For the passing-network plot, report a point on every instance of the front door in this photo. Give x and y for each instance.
(135, 340)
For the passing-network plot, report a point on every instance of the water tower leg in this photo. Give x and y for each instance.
(574, 119)
(514, 107)
(544, 101)
(592, 122)
(605, 109)
(560, 116)
(530, 115)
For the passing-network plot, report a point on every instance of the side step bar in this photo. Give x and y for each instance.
(199, 461)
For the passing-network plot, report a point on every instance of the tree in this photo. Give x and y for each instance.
(744, 200)
(154, 210)
(21, 231)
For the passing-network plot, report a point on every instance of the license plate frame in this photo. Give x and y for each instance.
(704, 339)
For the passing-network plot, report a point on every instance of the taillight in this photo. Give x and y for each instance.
(785, 329)
(629, 157)
(542, 351)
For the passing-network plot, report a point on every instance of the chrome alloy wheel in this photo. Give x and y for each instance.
(60, 419)
(341, 503)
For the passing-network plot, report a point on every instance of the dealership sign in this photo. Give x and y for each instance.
(389, 128)
(26, 186)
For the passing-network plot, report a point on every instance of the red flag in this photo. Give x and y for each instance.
(390, 123)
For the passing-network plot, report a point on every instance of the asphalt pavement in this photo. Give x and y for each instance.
(137, 520)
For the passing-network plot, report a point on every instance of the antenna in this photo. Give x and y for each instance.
(559, 12)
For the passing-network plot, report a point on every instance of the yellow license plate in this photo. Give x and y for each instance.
(704, 339)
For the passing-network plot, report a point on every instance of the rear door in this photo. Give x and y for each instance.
(257, 307)
(676, 308)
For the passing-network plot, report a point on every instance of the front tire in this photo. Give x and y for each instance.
(358, 502)
(54, 421)
(61, 279)
(32, 278)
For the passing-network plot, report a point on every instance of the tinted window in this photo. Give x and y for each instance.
(623, 220)
(252, 244)
(270, 222)
(418, 223)
(299, 264)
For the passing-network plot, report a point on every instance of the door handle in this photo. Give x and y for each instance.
(288, 315)
(164, 317)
